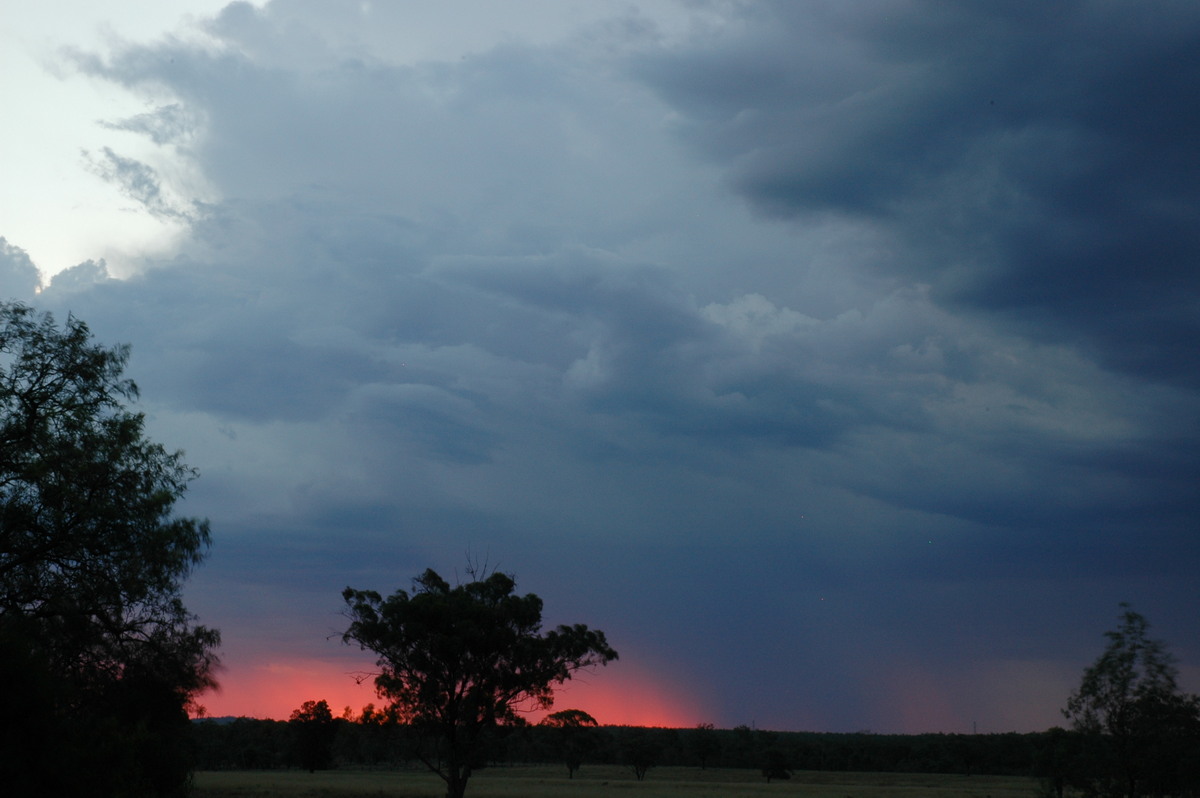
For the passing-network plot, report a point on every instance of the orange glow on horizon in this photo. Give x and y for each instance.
(271, 690)
(618, 695)
(622, 695)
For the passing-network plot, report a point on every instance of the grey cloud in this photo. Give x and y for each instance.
(487, 150)
(490, 302)
(644, 350)
(80, 277)
(440, 424)
(750, 369)
(138, 181)
(1034, 161)
(19, 278)
(168, 124)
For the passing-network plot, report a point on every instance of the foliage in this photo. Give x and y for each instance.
(1139, 730)
(458, 661)
(575, 739)
(314, 731)
(642, 752)
(369, 740)
(242, 744)
(570, 719)
(775, 765)
(92, 628)
(704, 744)
(1059, 760)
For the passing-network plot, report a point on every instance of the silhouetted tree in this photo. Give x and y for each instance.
(1059, 760)
(1135, 722)
(457, 661)
(91, 567)
(742, 747)
(313, 729)
(704, 743)
(641, 752)
(775, 765)
(574, 736)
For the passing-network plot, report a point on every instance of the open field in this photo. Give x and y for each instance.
(594, 781)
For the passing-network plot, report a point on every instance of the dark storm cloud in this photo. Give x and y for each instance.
(491, 304)
(736, 373)
(1036, 160)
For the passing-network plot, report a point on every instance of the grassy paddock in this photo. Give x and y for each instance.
(594, 781)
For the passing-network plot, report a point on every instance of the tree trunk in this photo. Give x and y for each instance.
(456, 784)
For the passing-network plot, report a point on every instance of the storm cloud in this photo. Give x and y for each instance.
(1030, 160)
(837, 359)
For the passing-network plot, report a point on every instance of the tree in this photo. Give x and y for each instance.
(1137, 725)
(457, 661)
(775, 765)
(1057, 760)
(704, 743)
(91, 566)
(313, 729)
(574, 738)
(642, 753)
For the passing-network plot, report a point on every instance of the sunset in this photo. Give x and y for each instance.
(275, 689)
(620, 695)
(839, 361)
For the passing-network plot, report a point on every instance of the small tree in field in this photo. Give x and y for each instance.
(574, 735)
(704, 743)
(642, 753)
(775, 765)
(457, 661)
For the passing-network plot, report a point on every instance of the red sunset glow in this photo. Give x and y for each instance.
(273, 689)
(619, 695)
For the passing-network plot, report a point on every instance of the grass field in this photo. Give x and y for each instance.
(595, 781)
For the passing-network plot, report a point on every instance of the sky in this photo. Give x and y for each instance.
(840, 360)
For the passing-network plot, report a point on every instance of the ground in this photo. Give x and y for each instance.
(597, 781)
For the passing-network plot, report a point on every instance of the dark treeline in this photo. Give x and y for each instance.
(267, 744)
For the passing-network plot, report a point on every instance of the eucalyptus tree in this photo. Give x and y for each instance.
(92, 560)
(455, 662)
(574, 736)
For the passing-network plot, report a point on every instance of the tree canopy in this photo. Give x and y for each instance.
(313, 732)
(570, 719)
(457, 661)
(1139, 730)
(574, 730)
(92, 561)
